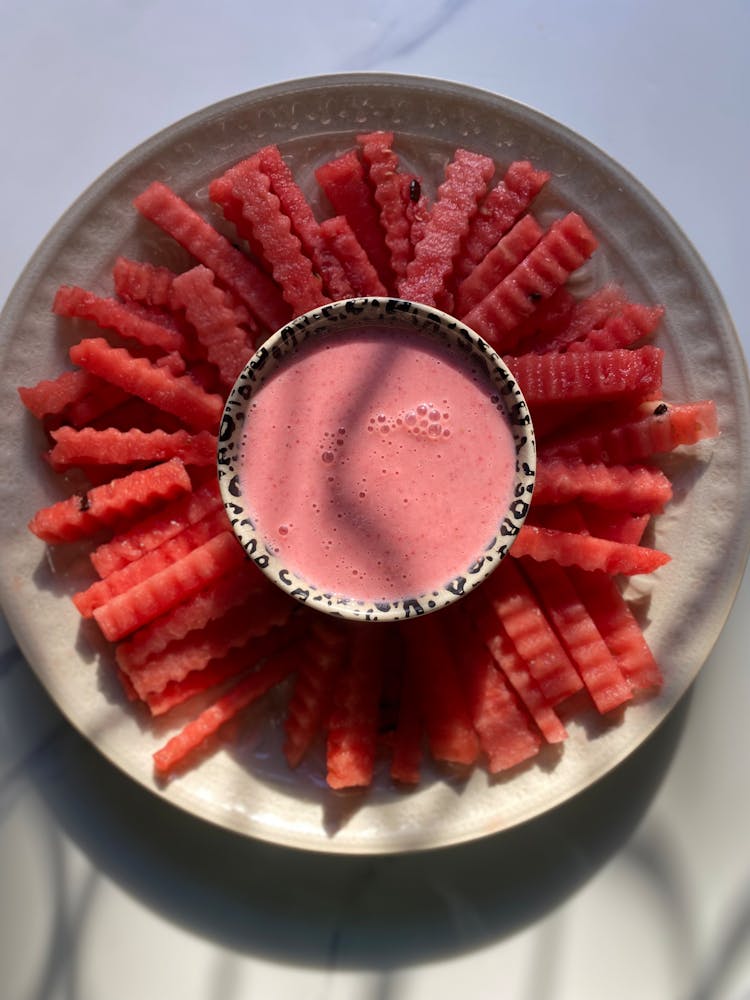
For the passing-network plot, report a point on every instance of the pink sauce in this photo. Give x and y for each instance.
(377, 464)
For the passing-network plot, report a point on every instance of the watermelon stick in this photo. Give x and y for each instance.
(83, 515)
(466, 179)
(352, 732)
(505, 203)
(152, 562)
(566, 245)
(214, 320)
(192, 615)
(523, 619)
(109, 314)
(514, 667)
(345, 186)
(637, 489)
(272, 232)
(388, 189)
(499, 262)
(507, 733)
(114, 447)
(592, 377)
(602, 676)
(450, 732)
(178, 395)
(149, 598)
(569, 549)
(667, 427)
(322, 657)
(304, 225)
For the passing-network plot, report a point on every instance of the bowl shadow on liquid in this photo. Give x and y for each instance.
(366, 912)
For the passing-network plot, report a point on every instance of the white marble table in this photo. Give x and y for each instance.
(107, 892)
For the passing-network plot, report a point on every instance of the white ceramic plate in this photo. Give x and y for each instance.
(246, 786)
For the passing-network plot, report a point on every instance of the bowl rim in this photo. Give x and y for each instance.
(340, 317)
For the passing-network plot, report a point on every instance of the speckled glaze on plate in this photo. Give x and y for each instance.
(456, 339)
(246, 786)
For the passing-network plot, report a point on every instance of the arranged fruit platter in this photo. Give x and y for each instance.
(147, 622)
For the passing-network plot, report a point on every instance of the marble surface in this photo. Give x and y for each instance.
(639, 888)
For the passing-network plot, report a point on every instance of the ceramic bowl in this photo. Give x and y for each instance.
(458, 341)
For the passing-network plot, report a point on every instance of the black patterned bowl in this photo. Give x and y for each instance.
(456, 339)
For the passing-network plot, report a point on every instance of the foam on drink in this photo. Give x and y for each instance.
(377, 463)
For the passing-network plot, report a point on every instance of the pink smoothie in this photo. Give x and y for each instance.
(377, 464)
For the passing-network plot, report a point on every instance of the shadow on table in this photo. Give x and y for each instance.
(357, 912)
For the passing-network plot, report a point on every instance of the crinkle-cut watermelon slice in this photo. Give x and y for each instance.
(450, 733)
(408, 739)
(602, 676)
(297, 209)
(148, 565)
(638, 489)
(431, 268)
(524, 620)
(635, 322)
(230, 591)
(345, 186)
(152, 531)
(417, 209)
(304, 224)
(566, 245)
(506, 255)
(214, 321)
(595, 376)
(109, 314)
(361, 276)
(55, 396)
(570, 549)
(266, 609)
(178, 395)
(272, 231)
(139, 281)
(155, 595)
(115, 447)
(217, 672)
(391, 195)
(586, 315)
(548, 318)
(616, 525)
(514, 667)
(352, 731)
(83, 515)
(322, 658)
(162, 206)
(248, 690)
(619, 629)
(507, 734)
(504, 204)
(667, 427)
